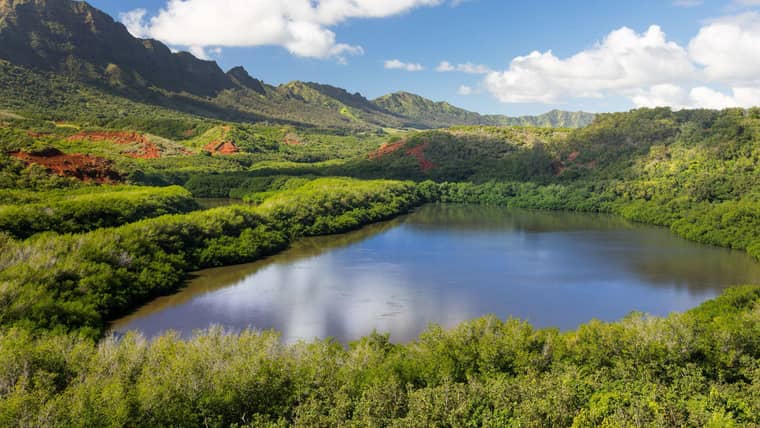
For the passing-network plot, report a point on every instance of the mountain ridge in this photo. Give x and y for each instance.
(78, 41)
(442, 113)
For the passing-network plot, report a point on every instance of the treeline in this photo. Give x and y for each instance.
(732, 223)
(77, 282)
(696, 369)
(88, 208)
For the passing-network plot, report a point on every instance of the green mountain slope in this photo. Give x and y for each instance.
(442, 114)
(76, 39)
(73, 42)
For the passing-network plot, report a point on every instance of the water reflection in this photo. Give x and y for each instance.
(448, 263)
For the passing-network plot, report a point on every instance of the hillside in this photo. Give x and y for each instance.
(693, 171)
(78, 46)
(110, 145)
(433, 114)
(75, 39)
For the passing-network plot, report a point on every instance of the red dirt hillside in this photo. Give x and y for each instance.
(148, 149)
(419, 153)
(387, 149)
(82, 167)
(292, 140)
(222, 148)
(560, 166)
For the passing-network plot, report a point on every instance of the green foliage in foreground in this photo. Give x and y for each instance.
(89, 208)
(78, 282)
(697, 369)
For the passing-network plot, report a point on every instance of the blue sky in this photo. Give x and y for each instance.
(488, 33)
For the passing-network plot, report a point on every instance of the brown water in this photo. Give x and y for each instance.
(448, 263)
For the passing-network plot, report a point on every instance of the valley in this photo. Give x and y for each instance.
(185, 246)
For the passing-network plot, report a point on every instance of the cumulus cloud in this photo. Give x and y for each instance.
(135, 22)
(300, 26)
(394, 64)
(647, 68)
(624, 61)
(729, 48)
(465, 90)
(669, 95)
(468, 67)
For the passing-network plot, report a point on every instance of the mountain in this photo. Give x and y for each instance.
(441, 114)
(74, 38)
(73, 43)
(240, 76)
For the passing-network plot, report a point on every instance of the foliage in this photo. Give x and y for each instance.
(88, 208)
(699, 368)
(424, 113)
(77, 282)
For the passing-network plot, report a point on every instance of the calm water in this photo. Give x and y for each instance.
(448, 263)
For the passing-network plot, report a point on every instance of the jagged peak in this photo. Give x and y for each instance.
(241, 76)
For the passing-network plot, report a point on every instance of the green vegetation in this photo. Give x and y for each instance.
(88, 208)
(430, 114)
(76, 255)
(88, 68)
(699, 368)
(77, 282)
(696, 172)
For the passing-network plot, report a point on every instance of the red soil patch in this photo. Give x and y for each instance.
(222, 148)
(292, 140)
(148, 149)
(188, 133)
(419, 153)
(83, 167)
(558, 167)
(387, 149)
(34, 134)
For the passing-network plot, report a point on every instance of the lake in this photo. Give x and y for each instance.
(445, 264)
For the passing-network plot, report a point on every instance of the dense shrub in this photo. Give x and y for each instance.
(79, 281)
(89, 208)
(699, 368)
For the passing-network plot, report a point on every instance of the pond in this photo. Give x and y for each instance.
(445, 264)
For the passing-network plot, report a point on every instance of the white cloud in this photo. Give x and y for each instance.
(135, 22)
(445, 66)
(729, 48)
(199, 52)
(300, 26)
(669, 95)
(394, 64)
(646, 68)
(624, 61)
(465, 90)
(468, 67)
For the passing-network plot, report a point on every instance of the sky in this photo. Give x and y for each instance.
(490, 56)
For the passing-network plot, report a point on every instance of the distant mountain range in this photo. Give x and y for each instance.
(74, 40)
(441, 114)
